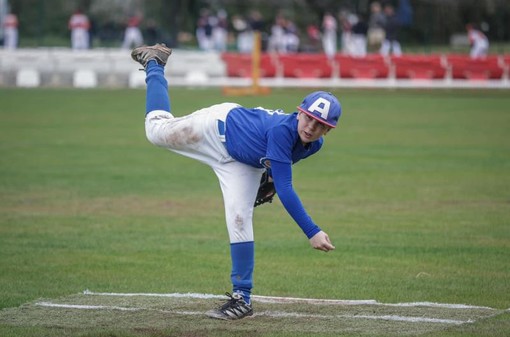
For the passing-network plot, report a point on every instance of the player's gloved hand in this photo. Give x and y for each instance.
(322, 242)
(266, 190)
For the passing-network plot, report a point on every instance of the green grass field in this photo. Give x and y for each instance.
(413, 188)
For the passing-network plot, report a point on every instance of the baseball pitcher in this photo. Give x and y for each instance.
(251, 150)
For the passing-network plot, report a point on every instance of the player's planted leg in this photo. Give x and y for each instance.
(243, 260)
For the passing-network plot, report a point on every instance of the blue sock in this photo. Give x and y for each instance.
(157, 88)
(243, 261)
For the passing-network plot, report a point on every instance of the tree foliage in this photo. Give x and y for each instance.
(434, 21)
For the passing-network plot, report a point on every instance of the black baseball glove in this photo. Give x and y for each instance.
(266, 191)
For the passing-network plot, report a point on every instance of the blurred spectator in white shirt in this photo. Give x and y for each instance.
(10, 26)
(220, 31)
(79, 25)
(133, 35)
(479, 42)
(329, 35)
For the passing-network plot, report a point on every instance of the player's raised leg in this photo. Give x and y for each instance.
(153, 59)
(157, 104)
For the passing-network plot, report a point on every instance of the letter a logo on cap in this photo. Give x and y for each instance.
(321, 105)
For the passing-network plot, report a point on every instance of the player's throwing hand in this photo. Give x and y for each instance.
(322, 242)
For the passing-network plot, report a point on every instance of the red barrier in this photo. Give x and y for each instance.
(305, 65)
(370, 66)
(240, 65)
(464, 67)
(419, 67)
(506, 60)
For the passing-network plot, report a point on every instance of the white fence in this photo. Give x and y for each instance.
(60, 67)
(114, 68)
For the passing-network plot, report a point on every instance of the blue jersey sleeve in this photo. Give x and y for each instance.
(282, 176)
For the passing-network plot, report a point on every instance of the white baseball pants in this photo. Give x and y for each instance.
(198, 136)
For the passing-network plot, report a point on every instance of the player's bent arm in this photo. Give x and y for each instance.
(282, 176)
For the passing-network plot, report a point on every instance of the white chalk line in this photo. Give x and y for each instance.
(273, 314)
(274, 299)
(85, 307)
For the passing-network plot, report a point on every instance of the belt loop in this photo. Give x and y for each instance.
(221, 129)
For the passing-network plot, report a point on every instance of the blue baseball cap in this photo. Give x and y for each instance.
(322, 106)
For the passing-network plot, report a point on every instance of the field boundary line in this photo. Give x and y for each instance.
(273, 314)
(275, 299)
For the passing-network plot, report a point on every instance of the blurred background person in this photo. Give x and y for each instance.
(93, 31)
(245, 28)
(291, 37)
(314, 37)
(220, 31)
(256, 21)
(391, 27)
(376, 21)
(10, 25)
(153, 33)
(79, 25)
(258, 24)
(284, 36)
(277, 35)
(329, 35)
(204, 30)
(347, 21)
(244, 36)
(359, 37)
(478, 41)
(132, 34)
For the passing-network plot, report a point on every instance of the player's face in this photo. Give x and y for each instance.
(309, 129)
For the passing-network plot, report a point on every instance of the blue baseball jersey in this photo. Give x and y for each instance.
(268, 138)
(254, 136)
